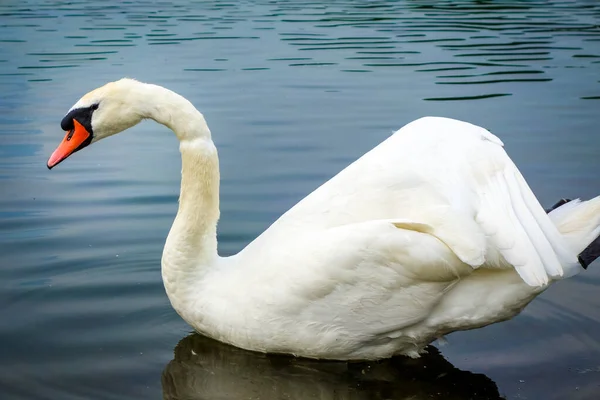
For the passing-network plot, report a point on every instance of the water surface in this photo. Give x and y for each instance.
(293, 91)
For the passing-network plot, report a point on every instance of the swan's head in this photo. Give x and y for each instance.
(102, 112)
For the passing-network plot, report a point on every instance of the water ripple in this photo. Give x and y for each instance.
(294, 91)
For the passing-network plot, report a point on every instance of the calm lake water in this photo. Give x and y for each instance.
(293, 91)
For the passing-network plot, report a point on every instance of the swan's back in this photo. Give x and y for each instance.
(456, 178)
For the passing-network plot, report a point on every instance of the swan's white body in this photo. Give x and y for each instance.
(433, 231)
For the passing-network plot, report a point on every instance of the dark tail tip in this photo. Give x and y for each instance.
(592, 252)
(558, 204)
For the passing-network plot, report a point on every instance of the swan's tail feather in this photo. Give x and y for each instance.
(579, 223)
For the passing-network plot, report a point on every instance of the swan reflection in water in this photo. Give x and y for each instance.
(206, 369)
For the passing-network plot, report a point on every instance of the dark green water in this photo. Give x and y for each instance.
(293, 91)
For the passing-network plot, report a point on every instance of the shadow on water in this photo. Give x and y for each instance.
(205, 369)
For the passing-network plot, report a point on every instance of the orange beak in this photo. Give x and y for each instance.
(76, 139)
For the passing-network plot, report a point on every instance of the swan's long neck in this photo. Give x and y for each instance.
(191, 247)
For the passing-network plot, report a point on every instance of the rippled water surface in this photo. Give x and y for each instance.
(293, 91)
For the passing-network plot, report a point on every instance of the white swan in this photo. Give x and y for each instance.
(433, 231)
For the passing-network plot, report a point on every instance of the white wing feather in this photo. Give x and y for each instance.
(449, 175)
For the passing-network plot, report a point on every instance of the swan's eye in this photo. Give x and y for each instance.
(94, 106)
